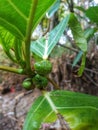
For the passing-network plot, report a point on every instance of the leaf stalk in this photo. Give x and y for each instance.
(13, 70)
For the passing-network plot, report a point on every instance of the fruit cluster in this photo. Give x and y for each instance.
(42, 69)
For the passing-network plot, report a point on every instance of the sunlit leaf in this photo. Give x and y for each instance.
(14, 16)
(43, 47)
(7, 42)
(80, 111)
(16, 21)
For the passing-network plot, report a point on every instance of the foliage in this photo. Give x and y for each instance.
(43, 67)
(43, 47)
(92, 15)
(78, 33)
(18, 21)
(27, 83)
(40, 81)
(79, 110)
(19, 26)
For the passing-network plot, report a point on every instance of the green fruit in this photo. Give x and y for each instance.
(40, 81)
(27, 84)
(43, 67)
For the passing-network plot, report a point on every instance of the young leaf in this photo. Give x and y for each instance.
(80, 111)
(91, 13)
(78, 33)
(44, 47)
(15, 16)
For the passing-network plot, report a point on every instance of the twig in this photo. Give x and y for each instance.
(71, 5)
(53, 83)
(72, 49)
(11, 69)
(70, 39)
(86, 69)
(92, 81)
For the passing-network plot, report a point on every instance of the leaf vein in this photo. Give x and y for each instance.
(9, 24)
(17, 10)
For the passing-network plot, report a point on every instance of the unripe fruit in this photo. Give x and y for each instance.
(40, 81)
(26, 84)
(43, 67)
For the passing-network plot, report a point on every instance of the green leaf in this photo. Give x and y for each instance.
(38, 47)
(77, 58)
(82, 67)
(43, 47)
(55, 54)
(80, 8)
(15, 16)
(89, 33)
(7, 42)
(78, 33)
(80, 111)
(53, 9)
(18, 51)
(92, 14)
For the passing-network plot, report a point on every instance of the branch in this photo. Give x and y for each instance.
(13, 70)
(53, 83)
(90, 79)
(72, 49)
(71, 5)
(86, 69)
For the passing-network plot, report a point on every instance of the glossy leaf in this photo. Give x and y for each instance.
(43, 47)
(78, 33)
(80, 111)
(15, 16)
(92, 14)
